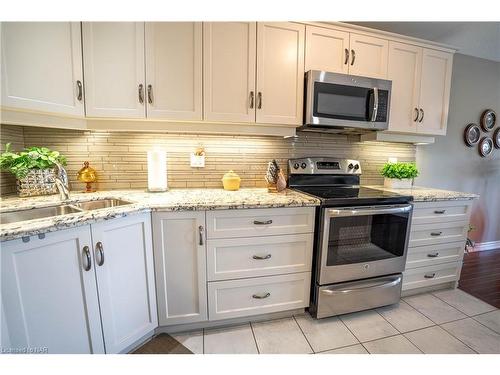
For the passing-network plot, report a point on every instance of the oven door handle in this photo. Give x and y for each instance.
(375, 105)
(368, 211)
(392, 282)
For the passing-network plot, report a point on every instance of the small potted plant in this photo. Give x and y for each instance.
(399, 175)
(34, 168)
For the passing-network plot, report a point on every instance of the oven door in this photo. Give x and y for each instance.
(362, 242)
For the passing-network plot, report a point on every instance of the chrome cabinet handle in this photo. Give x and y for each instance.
(86, 260)
(251, 99)
(416, 114)
(200, 231)
(260, 257)
(259, 100)
(79, 86)
(439, 211)
(141, 93)
(353, 53)
(346, 61)
(258, 222)
(150, 94)
(433, 255)
(422, 113)
(436, 233)
(99, 253)
(430, 275)
(257, 296)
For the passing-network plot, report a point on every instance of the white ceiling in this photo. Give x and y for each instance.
(480, 39)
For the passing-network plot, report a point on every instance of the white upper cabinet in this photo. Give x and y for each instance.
(280, 72)
(42, 67)
(435, 91)
(124, 266)
(174, 70)
(114, 69)
(368, 56)
(327, 50)
(229, 54)
(49, 293)
(404, 70)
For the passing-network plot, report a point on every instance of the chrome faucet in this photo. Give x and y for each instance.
(61, 182)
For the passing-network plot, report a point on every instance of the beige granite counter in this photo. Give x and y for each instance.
(173, 200)
(424, 194)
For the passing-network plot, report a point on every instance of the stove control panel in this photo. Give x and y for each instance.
(319, 165)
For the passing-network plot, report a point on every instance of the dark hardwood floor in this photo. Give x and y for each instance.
(481, 276)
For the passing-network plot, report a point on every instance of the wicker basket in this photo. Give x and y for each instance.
(37, 182)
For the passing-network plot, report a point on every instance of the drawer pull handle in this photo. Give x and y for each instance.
(258, 222)
(433, 255)
(260, 296)
(436, 233)
(430, 275)
(260, 257)
(439, 211)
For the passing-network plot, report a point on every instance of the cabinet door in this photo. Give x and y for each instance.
(435, 91)
(123, 255)
(327, 50)
(174, 70)
(404, 70)
(42, 67)
(280, 73)
(113, 59)
(229, 53)
(368, 56)
(49, 299)
(180, 266)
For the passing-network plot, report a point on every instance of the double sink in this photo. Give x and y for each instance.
(61, 209)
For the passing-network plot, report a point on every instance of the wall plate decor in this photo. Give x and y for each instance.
(496, 138)
(488, 120)
(472, 134)
(485, 146)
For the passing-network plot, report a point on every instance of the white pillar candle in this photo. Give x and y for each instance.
(157, 170)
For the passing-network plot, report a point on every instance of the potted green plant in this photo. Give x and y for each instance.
(34, 168)
(399, 175)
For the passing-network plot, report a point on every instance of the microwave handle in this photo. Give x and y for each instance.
(375, 104)
(368, 211)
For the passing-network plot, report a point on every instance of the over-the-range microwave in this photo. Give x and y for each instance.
(336, 101)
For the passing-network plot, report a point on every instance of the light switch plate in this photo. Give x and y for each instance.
(197, 161)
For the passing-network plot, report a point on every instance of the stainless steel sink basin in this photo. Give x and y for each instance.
(101, 203)
(37, 213)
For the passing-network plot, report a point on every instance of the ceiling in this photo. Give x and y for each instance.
(480, 39)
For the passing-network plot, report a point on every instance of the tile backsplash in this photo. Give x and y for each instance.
(121, 162)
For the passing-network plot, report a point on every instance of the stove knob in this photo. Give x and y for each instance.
(296, 166)
(303, 165)
(350, 166)
(356, 167)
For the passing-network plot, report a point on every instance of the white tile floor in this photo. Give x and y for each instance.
(450, 321)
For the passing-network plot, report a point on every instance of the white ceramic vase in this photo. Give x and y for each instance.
(395, 183)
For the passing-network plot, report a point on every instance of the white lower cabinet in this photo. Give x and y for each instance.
(61, 293)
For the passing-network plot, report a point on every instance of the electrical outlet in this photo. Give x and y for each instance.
(197, 161)
(392, 160)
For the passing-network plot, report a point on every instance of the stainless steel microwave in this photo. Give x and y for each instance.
(341, 101)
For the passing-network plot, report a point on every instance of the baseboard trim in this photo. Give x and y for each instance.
(484, 246)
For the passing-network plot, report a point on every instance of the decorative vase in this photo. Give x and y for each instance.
(37, 182)
(395, 183)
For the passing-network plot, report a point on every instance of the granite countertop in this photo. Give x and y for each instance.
(424, 194)
(172, 200)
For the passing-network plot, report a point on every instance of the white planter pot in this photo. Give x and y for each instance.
(394, 183)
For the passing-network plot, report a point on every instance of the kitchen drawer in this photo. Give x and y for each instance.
(431, 275)
(259, 222)
(234, 258)
(436, 233)
(239, 298)
(422, 256)
(441, 212)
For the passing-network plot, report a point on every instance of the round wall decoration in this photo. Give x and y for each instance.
(496, 138)
(485, 146)
(488, 120)
(472, 135)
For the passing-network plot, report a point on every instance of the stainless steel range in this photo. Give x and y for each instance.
(361, 237)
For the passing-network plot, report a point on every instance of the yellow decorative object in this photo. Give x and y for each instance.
(231, 181)
(87, 175)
